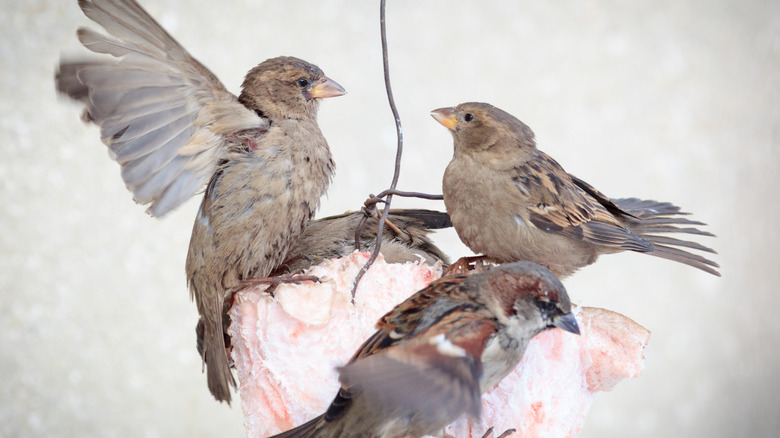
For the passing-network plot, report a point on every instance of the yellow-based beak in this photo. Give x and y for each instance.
(445, 116)
(326, 87)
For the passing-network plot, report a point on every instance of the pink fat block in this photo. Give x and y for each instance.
(286, 349)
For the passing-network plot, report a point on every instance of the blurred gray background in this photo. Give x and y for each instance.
(669, 100)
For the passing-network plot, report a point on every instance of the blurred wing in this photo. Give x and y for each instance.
(305, 430)
(557, 203)
(163, 115)
(435, 374)
(399, 345)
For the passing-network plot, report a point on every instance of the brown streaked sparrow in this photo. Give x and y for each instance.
(435, 353)
(510, 201)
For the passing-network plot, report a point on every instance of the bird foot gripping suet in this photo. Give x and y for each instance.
(467, 265)
(504, 434)
(274, 282)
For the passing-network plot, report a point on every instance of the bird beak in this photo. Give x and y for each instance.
(445, 116)
(567, 322)
(326, 87)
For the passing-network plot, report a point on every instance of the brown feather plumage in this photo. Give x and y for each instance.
(434, 354)
(510, 201)
(334, 236)
(174, 128)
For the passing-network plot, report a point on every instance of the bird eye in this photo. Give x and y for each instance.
(468, 117)
(547, 308)
(304, 82)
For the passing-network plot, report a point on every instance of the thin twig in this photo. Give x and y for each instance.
(369, 207)
(391, 192)
(399, 152)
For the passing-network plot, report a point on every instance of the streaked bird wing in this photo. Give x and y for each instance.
(165, 118)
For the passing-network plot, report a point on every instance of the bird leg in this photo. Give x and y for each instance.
(274, 282)
(371, 211)
(505, 434)
(284, 268)
(392, 226)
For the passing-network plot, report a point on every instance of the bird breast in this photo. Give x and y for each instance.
(485, 212)
(258, 203)
(505, 349)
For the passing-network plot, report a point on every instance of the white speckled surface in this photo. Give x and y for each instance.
(673, 100)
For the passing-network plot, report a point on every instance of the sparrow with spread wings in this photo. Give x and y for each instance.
(174, 128)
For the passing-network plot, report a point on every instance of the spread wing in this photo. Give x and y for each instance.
(164, 116)
(560, 203)
(435, 376)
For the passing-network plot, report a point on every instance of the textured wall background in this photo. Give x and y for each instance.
(672, 100)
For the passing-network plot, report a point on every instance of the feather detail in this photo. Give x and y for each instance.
(155, 105)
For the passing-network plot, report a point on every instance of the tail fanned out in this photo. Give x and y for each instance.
(652, 220)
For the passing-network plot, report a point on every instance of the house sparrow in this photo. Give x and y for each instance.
(510, 201)
(173, 127)
(436, 353)
(334, 236)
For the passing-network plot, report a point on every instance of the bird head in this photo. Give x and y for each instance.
(287, 87)
(478, 127)
(529, 294)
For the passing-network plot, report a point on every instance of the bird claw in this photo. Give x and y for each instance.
(504, 434)
(274, 282)
(464, 266)
(284, 268)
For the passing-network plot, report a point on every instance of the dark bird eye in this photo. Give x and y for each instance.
(547, 308)
(468, 117)
(304, 82)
